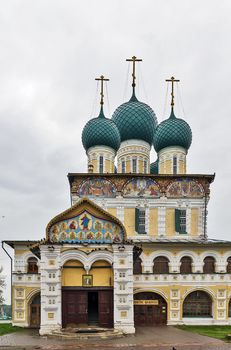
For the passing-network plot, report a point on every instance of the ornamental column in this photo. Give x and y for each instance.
(123, 288)
(51, 290)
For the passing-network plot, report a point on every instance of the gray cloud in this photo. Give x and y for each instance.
(51, 51)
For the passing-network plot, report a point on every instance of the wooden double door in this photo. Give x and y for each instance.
(91, 307)
(150, 309)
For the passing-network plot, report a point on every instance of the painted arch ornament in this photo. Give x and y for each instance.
(85, 228)
(185, 188)
(141, 187)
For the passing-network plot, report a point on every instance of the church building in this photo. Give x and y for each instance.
(132, 250)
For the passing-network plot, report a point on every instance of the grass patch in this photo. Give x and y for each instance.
(218, 332)
(6, 328)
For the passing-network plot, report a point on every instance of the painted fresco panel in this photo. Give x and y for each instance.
(141, 187)
(185, 188)
(86, 228)
(97, 187)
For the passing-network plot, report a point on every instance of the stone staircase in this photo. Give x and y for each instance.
(87, 332)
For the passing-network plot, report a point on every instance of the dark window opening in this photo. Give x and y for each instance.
(186, 265)
(174, 165)
(180, 220)
(197, 304)
(140, 220)
(101, 164)
(229, 265)
(137, 267)
(161, 265)
(209, 265)
(32, 265)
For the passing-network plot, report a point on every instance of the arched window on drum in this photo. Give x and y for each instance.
(161, 265)
(32, 265)
(186, 265)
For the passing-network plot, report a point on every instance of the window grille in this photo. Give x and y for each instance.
(101, 164)
(174, 165)
(134, 165)
(140, 220)
(123, 166)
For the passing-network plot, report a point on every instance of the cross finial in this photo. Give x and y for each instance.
(172, 80)
(134, 59)
(102, 79)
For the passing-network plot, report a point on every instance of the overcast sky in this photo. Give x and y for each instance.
(50, 54)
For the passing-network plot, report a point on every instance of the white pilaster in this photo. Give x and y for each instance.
(123, 288)
(51, 292)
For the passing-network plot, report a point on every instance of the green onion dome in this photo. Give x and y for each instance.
(135, 120)
(154, 167)
(172, 132)
(101, 131)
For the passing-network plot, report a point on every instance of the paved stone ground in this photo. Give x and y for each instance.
(156, 338)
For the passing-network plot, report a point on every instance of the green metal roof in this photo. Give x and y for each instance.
(135, 120)
(101, 131)
(154, 167)
(172, 132)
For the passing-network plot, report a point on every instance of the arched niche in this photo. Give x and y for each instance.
(72, 272)
(184, 188)
(97, 187)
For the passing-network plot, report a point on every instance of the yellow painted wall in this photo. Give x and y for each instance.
(168, 166)
(112, 211)
(73, 276)
(161, 168)
(153, 223)
(194, 221)
(26, 301)
(129, 221)
(127, 166)
(21, 251)
(182, 167)
(170, 221)
(109, 166)
(140, 166)
(102, 277)
(95, 166)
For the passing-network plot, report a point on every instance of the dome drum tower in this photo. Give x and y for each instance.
(172, 140)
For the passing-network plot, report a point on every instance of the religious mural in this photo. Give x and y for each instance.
(86, 228)
(141, 187)
(185, 188)
(97, 187)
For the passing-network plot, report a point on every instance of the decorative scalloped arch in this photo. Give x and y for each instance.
(85, 222)
(188, 253)
(141, 187)
(152, 290)
(164, 253)
(31, 294)
(185, 188)
(212, 253)
(74, 255)
(100, 255)
(203, 289)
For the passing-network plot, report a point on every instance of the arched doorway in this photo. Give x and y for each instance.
(197, 304)
(34, 311)
(87, 298)
(150, 309)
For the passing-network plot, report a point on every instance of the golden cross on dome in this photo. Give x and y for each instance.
(134, 59)
(102, 79)
(172, 80)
